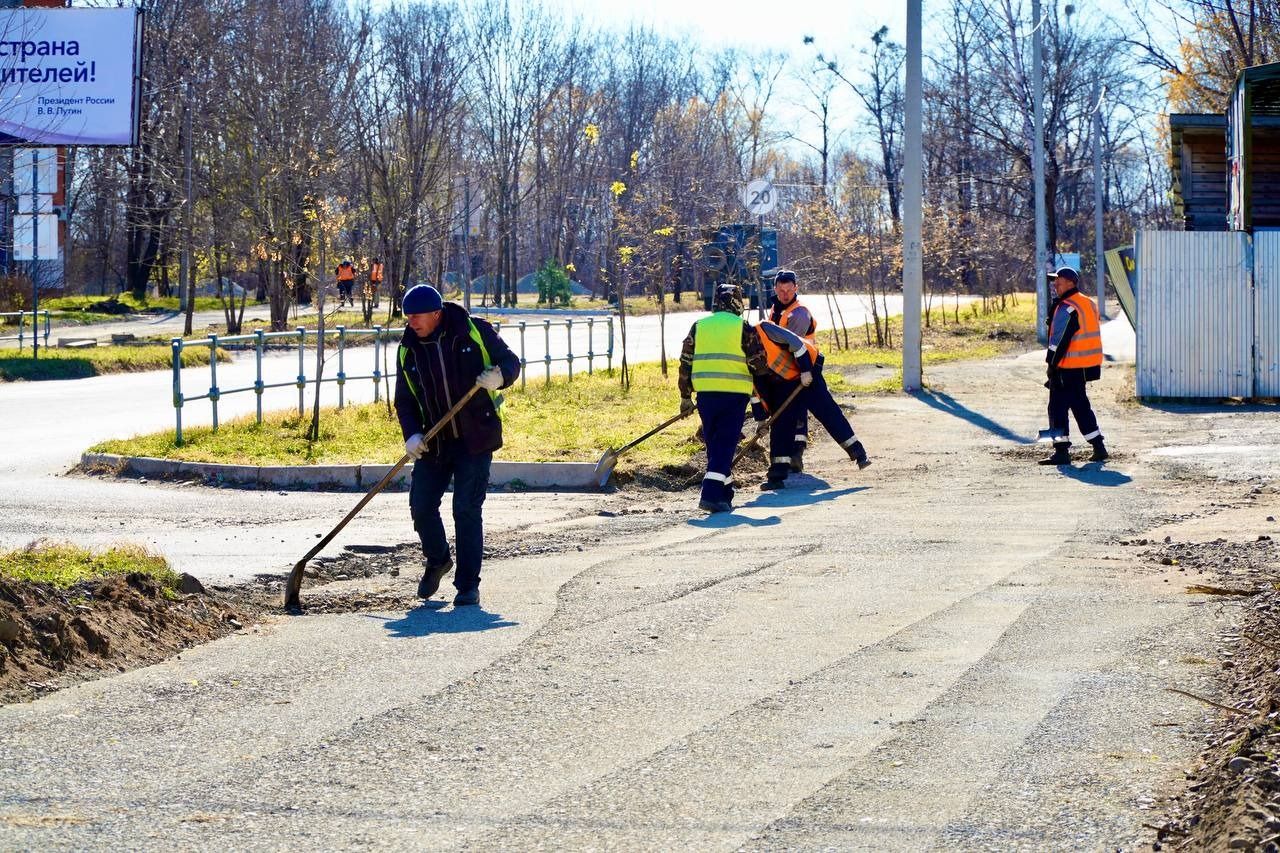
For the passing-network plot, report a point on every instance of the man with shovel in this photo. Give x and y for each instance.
(794, 361)
(719, 358)
(445, 353)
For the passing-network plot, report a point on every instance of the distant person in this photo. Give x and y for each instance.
(346, 275)
(791, 315)
(375, 280)
(1075, 358)
(444, 352)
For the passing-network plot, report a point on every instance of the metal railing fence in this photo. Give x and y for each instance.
(22, 319)
(383, 339)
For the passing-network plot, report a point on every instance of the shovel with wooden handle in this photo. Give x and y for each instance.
(764, 427)
(610, 458)
(293, 586)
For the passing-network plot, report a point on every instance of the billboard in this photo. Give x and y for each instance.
(69, 76)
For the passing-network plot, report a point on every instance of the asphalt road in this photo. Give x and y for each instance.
(231, 534)
(950, 650)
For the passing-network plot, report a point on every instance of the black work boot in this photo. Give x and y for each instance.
(1061, 456)
(858, 454)
(1099, 450)
(431, 578)
(797, 459)
(776, 477)
(467, 598)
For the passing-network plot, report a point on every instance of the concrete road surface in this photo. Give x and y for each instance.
(950, 650)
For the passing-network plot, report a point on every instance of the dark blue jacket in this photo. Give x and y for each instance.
(436, 372)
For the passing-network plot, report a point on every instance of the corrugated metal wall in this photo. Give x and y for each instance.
(1195, 314)
(1266, 290)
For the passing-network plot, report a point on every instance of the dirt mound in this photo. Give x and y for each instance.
(51, 638)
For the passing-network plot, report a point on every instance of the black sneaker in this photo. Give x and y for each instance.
(858, 454)
(467, 598)
(772, 485)
(715, 506)
(431, 578)
(1100, 453)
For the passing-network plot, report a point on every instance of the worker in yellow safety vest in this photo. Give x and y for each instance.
(1075, 358)
(718, 361)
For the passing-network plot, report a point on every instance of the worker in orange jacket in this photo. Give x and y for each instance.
(1074, 357)
(346, 275)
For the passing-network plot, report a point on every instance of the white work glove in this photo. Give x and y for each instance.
(491, 379)
(415, 446)
(686, 405)
(806, 379)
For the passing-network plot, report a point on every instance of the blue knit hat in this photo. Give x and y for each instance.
(421, 299)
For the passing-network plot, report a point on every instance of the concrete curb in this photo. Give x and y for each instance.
(535, 475)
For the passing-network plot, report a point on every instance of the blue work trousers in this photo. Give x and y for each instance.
(722, 414)
(815, 399)
(470, 476)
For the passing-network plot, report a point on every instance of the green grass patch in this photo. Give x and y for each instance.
(53, 363)
(87, 303)
(556, 421)
(64, 565)
(979, 334)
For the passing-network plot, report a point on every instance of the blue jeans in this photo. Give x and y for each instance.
(470, 475)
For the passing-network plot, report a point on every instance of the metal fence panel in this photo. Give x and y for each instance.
(1195, 314)
(1266, 291)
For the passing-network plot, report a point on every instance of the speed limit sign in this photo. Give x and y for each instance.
(759, 197)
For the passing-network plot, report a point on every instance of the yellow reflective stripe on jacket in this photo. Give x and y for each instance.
(495, 396)
(719, 364)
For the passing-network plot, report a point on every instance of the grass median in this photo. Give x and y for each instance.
(18, 365)
(62, 566)
(564, 420)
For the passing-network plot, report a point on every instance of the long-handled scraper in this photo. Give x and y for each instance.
(610, 458)
(293, 586)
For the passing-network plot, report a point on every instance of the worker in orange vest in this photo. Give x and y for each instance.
(346, 274)
(793, 360)
(1075, 358)
(375, 279)
(790, 314)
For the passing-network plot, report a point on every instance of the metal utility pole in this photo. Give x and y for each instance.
(1100, 281)
(35, 253)
(912, 213)
(184, 260)
(466, 234)
(1037, 164)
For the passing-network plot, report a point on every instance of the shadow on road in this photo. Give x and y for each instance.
(802, 494)
(1095, 475)
(951, 406)
(722, 520)
(427, 620)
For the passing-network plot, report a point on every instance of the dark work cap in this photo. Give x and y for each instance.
(1069, 274)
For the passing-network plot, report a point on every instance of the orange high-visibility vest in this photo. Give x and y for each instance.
(375, 272)
(1085, 347)
(811, 335)
(346, 272)
(781, 360)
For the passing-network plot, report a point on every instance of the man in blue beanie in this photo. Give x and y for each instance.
(444, 352)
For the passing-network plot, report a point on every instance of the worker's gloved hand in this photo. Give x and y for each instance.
(806, 379)
(686, 405)
(491, 379)
(414, 446)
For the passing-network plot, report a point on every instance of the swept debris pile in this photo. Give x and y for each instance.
(51, 638)
(1232, 801)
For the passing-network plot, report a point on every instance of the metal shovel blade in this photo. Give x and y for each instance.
(604, 468)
